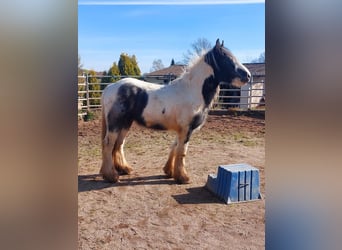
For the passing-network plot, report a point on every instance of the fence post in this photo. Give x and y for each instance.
(245, 93)
(87, 93)
(250, 92)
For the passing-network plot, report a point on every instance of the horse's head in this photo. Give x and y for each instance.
(226, 66)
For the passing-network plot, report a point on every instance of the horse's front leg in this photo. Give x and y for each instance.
(180, 174)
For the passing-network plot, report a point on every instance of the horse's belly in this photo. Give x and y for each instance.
(172, 117)
(159, 119)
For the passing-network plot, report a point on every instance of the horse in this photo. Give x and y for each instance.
(181, 106)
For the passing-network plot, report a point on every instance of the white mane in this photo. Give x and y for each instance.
(196, 57)
(194, 60)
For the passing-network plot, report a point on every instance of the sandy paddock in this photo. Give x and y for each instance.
(146, 210)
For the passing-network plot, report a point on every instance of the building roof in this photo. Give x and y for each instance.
(256, 68)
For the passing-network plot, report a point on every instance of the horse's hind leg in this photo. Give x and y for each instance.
(169, 166)
(118, 155)
(107, 169)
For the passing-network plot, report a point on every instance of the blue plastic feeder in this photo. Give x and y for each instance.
(235, 183)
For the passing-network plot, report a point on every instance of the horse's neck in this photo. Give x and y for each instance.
(199, 78)
(198, 73)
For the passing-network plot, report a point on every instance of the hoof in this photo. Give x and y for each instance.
(124, 170)
(168, 176)
(183, 180)
(109, 173)
(168, 173)
(113, 179)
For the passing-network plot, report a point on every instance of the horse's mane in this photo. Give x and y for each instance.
(196, 57)
(192, 62)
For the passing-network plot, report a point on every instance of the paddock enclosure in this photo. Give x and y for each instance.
(146, 210)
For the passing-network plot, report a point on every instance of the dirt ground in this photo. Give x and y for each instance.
(146, 210)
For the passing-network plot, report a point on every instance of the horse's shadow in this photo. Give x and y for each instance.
(96, 182)
(194, 195)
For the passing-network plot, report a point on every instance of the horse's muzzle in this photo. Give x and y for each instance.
(245, 76)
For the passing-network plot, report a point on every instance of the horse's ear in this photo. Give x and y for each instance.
(217, 43)
(222, 43)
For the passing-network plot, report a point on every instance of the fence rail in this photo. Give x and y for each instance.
(248, 97)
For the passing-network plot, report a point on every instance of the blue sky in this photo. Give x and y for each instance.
(165, 29)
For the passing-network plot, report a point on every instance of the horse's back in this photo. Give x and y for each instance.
(113, 87)
(133, 82)
(123, 86)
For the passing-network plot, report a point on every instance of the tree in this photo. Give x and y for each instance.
(114, 74)
(92, 80)
(114, 70)
(125, 66)
(79, 66)
(260, 59)
(197, 48)
(105, 79)
(128, 65)
(136, 68)
(157, 64)
(172, 62)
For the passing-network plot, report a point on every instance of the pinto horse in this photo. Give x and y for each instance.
(182, 106)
